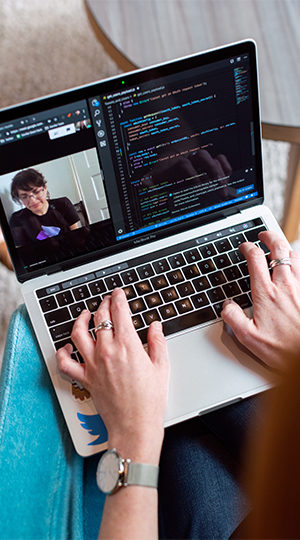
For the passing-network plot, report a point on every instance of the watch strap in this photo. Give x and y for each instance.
(142, 474)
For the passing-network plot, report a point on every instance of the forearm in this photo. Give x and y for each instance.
(130, 513)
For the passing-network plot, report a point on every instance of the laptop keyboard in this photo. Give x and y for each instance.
(181, 286)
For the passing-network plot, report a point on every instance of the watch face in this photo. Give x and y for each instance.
(108, 472)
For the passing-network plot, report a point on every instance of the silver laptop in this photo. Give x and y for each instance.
(147, 181)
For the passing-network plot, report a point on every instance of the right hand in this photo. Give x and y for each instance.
(273, 334)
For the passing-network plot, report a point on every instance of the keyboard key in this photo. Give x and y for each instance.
(57, 316)
(216, 295)
(113, 281)
(244, 269)
(201, 284)
(159, 282)
(199, 300)
(176, 260)
(76, 309)
(189, 320)
(65, 298)
(218, 308)
(231, 289)
(217, 278)
(206, 266)
(192, 255)
(48, 303)
(252, 236)
(130, 292)
(191, 271)
(137, 322)
(169, 294)
(61, 331)
(93, 303)
(137, 305)
(185, 289)
(167, 311)
(91, 322)
(49, 290)
(222, 261)
(223, 245)
(60, 344)
(263, 247)
(151, 316)
(143, 287)
(80, 358)
(244, 283)
(80, 293)
(243, 300)
(161, 266)
(175, 276)
(145, 271)
(97, 287)
(207, 251)
(232, 273)
(130, 276)
(153, 300)
(184, 305)
(237, 240)
(236, 256)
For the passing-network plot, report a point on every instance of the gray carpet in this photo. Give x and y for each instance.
(47, 46)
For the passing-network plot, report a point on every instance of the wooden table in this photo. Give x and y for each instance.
(137, 33)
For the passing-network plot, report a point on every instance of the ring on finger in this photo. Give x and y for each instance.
(282, 261)
(104, 325)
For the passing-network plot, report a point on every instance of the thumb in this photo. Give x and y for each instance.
(157, 345)
(242, 327)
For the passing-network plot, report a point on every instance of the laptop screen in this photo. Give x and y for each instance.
(129, 160)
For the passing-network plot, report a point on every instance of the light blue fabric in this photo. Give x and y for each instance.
(42, 495)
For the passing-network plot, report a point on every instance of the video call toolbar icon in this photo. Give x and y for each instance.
(100, 133)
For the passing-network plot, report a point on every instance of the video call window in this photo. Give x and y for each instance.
(50, 199)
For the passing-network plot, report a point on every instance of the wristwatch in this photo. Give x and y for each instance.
(114, 472)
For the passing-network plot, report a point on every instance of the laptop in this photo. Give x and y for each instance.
(148, 181)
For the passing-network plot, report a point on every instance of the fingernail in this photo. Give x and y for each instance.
(157, 325)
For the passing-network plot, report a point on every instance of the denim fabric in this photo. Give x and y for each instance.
(41, 486)
(49, 492)
(199, 489)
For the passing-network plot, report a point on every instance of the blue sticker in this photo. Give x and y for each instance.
(95, 426)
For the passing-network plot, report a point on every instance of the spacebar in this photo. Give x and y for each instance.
(187, 321)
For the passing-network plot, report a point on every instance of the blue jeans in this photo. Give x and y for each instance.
(47, 491)
(200, 495)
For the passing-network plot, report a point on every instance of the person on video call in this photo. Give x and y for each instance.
(199, 491)
(42, 217)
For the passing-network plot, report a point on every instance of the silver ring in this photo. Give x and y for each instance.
(104, 325)
(278, 262)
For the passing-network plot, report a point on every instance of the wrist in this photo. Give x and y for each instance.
(137, 448)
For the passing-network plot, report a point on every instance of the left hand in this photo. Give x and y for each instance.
(128, 386)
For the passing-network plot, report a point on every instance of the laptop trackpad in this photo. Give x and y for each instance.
(209, 368)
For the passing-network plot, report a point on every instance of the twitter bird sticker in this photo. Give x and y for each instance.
(95, 426)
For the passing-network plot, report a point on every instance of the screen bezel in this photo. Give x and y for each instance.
(118, 83)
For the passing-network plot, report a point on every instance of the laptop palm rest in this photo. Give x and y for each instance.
(209, 369)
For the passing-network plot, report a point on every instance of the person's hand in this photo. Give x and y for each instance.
(273, 334)
(128, 386)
